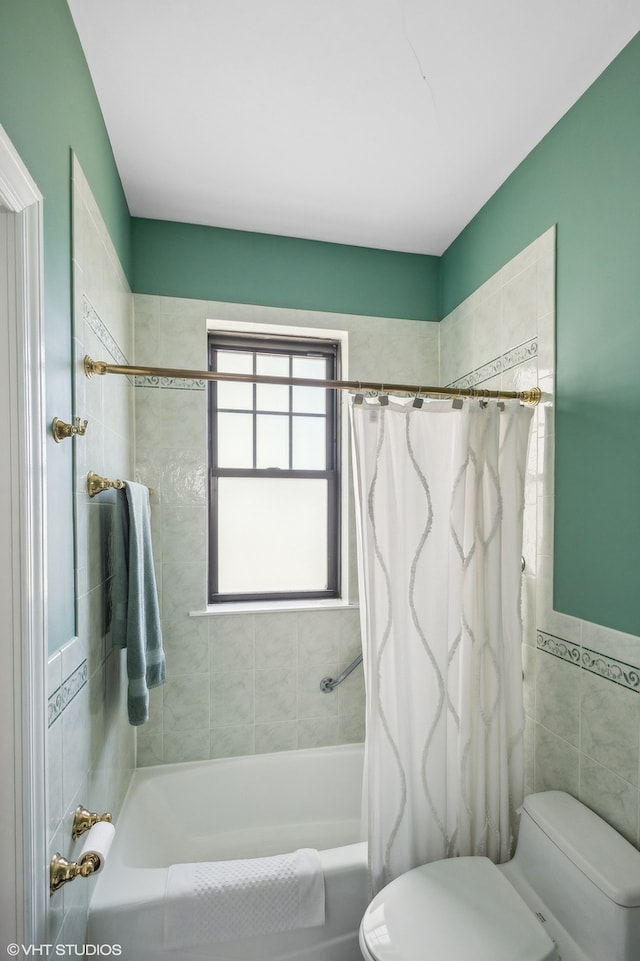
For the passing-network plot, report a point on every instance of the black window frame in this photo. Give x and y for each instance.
(292, 346)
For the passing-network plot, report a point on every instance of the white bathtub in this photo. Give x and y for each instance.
(236, 808)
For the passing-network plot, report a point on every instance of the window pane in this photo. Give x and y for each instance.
(272, 535)
(235, 440)
(234, 362)
(272, 396)
(276, 365)
(235, 396)
(310, 400)
(272, 441)
(315, 367)
(309, 443)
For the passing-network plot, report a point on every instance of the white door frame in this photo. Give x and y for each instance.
(23, 837)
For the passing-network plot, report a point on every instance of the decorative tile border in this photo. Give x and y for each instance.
(565, 650)
(512, 358)
(626, 675)
(93, 320)
(104, 335)
(63, 695)
(175, 383)
(617, 671)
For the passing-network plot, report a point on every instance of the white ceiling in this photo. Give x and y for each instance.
(381, 123)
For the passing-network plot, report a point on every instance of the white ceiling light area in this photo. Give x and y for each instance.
(379, 123)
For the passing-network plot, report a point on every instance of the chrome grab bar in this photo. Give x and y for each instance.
(327, 684)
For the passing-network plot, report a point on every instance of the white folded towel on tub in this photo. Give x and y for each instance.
(224, 900)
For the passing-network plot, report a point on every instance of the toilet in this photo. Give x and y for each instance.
(570, 893)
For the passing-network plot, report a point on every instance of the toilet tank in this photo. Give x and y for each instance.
(586, 875)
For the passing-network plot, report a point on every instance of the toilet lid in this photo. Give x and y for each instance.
(460, 908)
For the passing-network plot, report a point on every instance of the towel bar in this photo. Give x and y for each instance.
(96, 484)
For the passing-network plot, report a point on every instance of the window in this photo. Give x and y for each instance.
(274, 505)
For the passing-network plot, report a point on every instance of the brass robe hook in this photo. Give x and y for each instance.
(62, 430)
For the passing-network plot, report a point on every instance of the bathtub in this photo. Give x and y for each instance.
(236, 808)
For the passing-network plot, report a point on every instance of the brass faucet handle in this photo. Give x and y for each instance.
(84, 820)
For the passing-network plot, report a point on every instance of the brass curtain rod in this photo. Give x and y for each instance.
(91, 367)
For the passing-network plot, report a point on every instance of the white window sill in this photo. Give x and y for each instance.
(261, 607)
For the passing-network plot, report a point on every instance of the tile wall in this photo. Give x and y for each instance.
(582, 681)
(240, 683)
(90, 746)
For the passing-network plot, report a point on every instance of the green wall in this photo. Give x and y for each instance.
(209, 263)
(48, 108)
(585, 177)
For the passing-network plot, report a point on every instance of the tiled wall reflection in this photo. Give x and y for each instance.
(90, 746)
(246, 682)
(582, 681)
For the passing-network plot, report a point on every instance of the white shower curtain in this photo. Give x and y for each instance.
(440, 498)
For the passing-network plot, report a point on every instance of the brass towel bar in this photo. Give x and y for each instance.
(96, 484)
(91, 367)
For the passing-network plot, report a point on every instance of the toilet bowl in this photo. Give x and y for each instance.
(462, 908)
(570, 893)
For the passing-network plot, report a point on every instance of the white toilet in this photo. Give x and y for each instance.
(570, 893)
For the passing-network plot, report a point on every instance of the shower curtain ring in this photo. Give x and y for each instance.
(418, 401)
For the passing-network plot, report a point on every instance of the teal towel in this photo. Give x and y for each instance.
(135, 613)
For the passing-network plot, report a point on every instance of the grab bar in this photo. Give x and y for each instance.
(327, 684)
